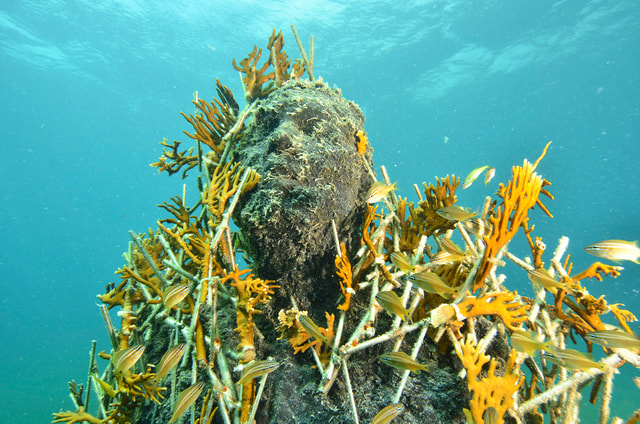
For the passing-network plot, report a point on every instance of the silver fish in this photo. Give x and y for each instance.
(124, 359)
(185, 400)
(388, 413)
(392, 303)
(257, 369)
(312, 328)
(169, 360)
(614, 339)
(174, 295)
(473, 175)
(615, 250)
(455, 213)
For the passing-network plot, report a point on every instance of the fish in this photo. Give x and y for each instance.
(491, 172)
(257, 369)
(378, 191)
(174, 295)
(615, 250)
(312, 328)
(473, 175)
(402, 361)
(542, 277)
(455, 213)
(124, 359)
(477, 226)
(572, 359)
(448, 245)
(401, 261)
(443, 257)
(185, 400)
(432, 283)
(614, 339)
(392, 303)
(108, 389)
(525, 342)
(169, 360)
(388, 413)
(490, 415)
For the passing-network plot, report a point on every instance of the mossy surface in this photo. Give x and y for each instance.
(302, 142)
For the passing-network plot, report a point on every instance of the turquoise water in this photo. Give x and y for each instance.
(89, 88)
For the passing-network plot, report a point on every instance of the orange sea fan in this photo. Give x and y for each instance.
(518, 196)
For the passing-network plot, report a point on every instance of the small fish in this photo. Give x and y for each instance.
(257, 369)
(174, 295)
(378, 191)
(525, 342)
(572, 359)
(637, 381)
(388, 413)
(614, 339)
(402, 361)
(542, 277)
(185, 400)
(455, 213)
(443, 257)
(400, 260)
(392, 303)
(432, 283)
(473, 175)
(108, 389)
(448, 245)
(615, 250)
(490, 415)
(491, 172)
(477, 226)
(312, 328)
(124, 359)
(169, 360)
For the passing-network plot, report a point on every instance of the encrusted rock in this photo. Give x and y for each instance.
(302, 141)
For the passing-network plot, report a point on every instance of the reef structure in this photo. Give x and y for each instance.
(352, 304)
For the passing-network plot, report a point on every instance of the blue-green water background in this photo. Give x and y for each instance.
(89, 88)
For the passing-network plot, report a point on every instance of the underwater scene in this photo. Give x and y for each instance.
(320, 212)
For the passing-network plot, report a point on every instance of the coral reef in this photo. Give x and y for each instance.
(301, 328)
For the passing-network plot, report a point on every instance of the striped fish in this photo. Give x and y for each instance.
(478, 227)
(392, 303)
(388, 413)
(432, 283)
(403, 361)
(185, 400)
(615, 250)
(379, 191)
(124, 359)
(526, 342)
(169, 360)
(614, 339)
(455, 213)
(572, 359)
(174, 295)
(400, 260)
(542, 277)
(448, 245)
(312, 328)
(257, 369)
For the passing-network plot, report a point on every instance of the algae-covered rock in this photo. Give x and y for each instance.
(302, 141)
